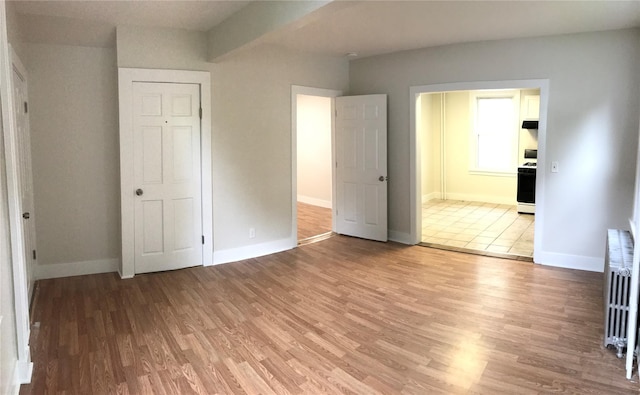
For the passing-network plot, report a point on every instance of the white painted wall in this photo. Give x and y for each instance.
(252, 140)
(161, 48)
(74, 137)
(314, 150)
(591, 131)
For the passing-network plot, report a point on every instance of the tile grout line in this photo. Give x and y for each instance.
(467, 232)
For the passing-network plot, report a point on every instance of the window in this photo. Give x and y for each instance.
(494, 131)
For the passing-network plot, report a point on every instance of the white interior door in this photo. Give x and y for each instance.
(25, 171)
(168, 211)
(361, 166)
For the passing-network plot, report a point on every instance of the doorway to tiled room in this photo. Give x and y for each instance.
(474, 145)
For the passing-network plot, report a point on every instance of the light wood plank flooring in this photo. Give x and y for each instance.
(313, 220)
(339, 316)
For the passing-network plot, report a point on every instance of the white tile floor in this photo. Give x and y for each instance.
(495, 228)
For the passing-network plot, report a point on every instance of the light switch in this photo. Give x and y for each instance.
(554, 167)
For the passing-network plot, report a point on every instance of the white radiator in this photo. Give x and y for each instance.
(617, 288)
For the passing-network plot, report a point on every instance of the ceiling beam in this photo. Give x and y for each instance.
(245, 27)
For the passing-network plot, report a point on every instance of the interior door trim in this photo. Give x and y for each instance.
(126, 78)
(309, 91)
(415, 176)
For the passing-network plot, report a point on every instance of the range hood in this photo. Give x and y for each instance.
(530, 124)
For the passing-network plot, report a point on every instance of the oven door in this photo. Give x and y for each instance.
(526, 185)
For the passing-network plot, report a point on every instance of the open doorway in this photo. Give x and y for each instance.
(474, 147)
(313, 171)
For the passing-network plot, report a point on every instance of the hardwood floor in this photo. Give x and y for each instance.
(313, 220)
(339, 316)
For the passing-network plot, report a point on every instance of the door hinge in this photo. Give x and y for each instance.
(34, 254)
(26, 108)
(202, 239)
(200, 112)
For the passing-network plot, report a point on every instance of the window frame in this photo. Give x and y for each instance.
(474, 96)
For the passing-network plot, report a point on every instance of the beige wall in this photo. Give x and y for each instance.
(592, 125)
(435, 162)
(429, 123)
(314, 182)
(74, 142)
(460, 183)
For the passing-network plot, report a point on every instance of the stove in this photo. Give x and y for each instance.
(526, 196)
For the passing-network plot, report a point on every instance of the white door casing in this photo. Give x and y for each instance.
(25, 168)
(127, 77)
(361, 166)
(415, 176)
(24, 366)
(309, 91)
(168, 219)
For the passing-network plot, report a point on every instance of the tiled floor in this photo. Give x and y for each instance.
(494, 228)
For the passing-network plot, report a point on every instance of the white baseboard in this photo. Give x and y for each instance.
(127, 277)
(482, 198)
(430, 196)
(56, 270)
(253, 251)
(578, 262)
(315, 201)
(23, 372)
(400, 237)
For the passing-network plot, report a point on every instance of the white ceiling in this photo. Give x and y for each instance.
(365, 27)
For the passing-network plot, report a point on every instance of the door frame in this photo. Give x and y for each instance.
(27, 161)
(415, 176)
(24, 366)
(126, 78)
(309, 91)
